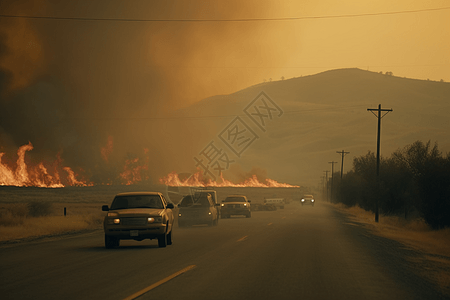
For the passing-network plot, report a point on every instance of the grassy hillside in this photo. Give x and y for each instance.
(324, 113)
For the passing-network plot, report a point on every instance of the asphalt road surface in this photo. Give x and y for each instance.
(292, 253)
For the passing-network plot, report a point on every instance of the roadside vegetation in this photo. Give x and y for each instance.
(414, 182)
(415, 233)
(413, 194)
(37, 219)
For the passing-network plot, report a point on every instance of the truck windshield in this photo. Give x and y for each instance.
(142, 201)
(234, 199)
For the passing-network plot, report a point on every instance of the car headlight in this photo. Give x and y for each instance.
(312, 200)
(209, 213)
(113, 214)
(222, 205)
(245, 204)
(179, 215)
(151, 220)
(303, 200)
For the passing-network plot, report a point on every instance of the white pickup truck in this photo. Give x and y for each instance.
(278, 202)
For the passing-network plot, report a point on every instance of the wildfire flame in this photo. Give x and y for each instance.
(196, 180)
(133, 172)
(37, 176)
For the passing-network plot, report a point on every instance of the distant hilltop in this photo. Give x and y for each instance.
(323, 114)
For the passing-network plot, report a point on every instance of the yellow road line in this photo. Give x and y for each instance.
(242, 238)
(151, 287)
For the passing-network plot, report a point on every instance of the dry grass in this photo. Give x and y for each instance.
(434, 244)
(16, 222)
(415, 233)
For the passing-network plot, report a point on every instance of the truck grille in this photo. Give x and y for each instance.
(134, 221)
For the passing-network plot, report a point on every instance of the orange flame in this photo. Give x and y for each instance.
(37, 176)
(72, 178)
(133, 174)
(196, 180)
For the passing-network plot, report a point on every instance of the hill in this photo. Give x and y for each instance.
(320, 114)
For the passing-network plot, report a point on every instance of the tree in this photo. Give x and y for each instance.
(430, 173)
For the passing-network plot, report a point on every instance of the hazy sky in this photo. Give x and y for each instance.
(82, 71)
(222, 57)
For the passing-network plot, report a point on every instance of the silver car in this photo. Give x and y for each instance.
(235, 205)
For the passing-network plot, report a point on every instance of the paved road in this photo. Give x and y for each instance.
(292, 253)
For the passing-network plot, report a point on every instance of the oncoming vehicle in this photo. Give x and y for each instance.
(308, 199)
(138, 216)
(277, 202)
(197, 209)
(235, 205)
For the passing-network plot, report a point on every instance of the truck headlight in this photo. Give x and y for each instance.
(111, 221)
(151, 220)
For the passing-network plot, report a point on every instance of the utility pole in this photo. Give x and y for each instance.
(326, 182)
(342, 164)
(323, 186)
(379, 116)
(332, 179)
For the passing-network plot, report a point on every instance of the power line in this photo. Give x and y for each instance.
(181, 117)
(227, 20)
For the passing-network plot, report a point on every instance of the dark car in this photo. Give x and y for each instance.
(138, 216)
(198, 209)
(235, 205)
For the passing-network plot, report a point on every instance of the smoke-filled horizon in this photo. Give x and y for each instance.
(72, 87)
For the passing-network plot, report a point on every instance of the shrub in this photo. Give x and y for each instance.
(415, 178)
(14, 215)
(39, 209)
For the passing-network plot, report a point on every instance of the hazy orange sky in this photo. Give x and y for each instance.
(76, 75)
(209, 58)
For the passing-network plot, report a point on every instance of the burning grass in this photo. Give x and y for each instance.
(414, 233)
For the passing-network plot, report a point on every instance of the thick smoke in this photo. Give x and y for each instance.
(70, 86)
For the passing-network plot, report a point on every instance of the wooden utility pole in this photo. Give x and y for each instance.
(323, 186)
(326, 181)
(342, 153)
(379, 116)
(332, 179)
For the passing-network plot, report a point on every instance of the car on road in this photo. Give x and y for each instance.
(308, 199)
(235, 205)
(198, 209)
(213, 194)
(138, 216)
(277, 202)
